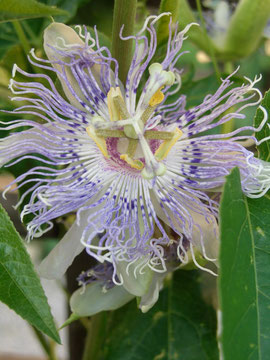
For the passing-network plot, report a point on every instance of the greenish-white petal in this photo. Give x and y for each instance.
(210, 233)
(61, 257)
(136, 280)
(205, 234)
(151, 297)
(94, 298)
(60, 35)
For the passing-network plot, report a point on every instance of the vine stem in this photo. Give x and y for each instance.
(21, 35)
(95, 337)
(124, 14)
(47, 346)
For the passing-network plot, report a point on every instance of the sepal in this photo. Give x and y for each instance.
(95, 298)
(136, 278)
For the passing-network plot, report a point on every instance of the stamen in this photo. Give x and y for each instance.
(164, 149)
(147, 113)
(114, 109)
(158, 135)
(121, 107)
(157, 76)
(110, 133)
(152, 167)
(118, 111)
(100, 142)
(97, 121)
(136, 164)
(157, 98)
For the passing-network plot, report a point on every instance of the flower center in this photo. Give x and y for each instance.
(123, 125)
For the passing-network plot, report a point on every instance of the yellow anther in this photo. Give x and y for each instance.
(136, 164)
(113, 109)
(100, 142)
(110, 133)
(164, 149)
(157, 98)
(158, 135)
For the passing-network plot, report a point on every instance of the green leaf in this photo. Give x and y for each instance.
(244, 282)
(179, 326)
(264, 148)
(25, 9)
(20, 287)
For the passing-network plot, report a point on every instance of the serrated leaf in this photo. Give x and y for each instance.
(20, 287)
(244, 282)
(26, 9)
(179, 326)
(264, 148)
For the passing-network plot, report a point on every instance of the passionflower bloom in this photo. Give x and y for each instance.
(138, 168)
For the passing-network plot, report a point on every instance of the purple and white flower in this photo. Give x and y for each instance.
(138, 169)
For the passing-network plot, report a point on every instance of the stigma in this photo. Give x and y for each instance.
(122, 124)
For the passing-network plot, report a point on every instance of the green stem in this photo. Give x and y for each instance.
(123, 14)
(46, 346)
(21, 35)
(95, 337)
(210, 46)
